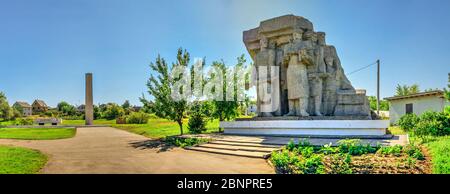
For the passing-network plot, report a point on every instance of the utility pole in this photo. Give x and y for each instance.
(378, 87)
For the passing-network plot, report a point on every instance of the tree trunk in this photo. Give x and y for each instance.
(180, 123)
(220, 120)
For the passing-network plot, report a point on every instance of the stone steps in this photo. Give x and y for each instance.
(230, 152)
(238, 147)
(244, 143)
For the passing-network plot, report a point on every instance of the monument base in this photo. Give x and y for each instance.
(308, 128)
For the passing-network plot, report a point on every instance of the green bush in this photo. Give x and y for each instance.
(184, 141)
(197, 121)
(137, 118)
(391, 150)
(408, 121)
(414, 152)
(23, 121)
(354, 147)
(433, 123)
(340, 164)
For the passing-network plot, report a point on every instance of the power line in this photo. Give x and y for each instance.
(362, 68)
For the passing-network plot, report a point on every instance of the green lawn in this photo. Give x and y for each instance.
(82, 122)
(155, 128)
(440, 152)
(36, 133)
(159, 128)
(15, 160)
(396, 130)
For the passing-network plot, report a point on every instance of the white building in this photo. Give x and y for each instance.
(416, 103)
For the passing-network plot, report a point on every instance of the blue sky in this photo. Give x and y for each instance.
(46, 46)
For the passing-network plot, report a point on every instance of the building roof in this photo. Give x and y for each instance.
(438, 93)
(40, 103)
(23, 104)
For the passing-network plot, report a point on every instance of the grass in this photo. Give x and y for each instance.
(82, 122)
(36, 133)
(160, 128)
(396, 130)
(15, 160)
(440, 153)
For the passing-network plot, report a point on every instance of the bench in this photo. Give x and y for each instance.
(43, 121)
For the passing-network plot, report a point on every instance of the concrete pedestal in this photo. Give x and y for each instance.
(308, 128)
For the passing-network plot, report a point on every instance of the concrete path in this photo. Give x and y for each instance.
(109, 150)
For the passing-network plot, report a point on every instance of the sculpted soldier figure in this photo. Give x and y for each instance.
(298, 55)
(313, 80)
(267, 80)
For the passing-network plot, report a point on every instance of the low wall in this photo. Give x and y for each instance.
(325, 128)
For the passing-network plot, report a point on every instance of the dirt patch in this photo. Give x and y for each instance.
(387, 164)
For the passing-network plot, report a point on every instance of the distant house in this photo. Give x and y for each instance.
(416, 103)
(24, 107)
(39, 106)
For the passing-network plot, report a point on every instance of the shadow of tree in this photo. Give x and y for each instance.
(152, 144)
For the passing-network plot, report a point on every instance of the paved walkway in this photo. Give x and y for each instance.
(110, 150)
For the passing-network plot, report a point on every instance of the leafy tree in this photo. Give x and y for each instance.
(113, 111)
(447, 91)
(197, 118)
(159, 87)
(384, 104)
(5, 110)
(66, 109)
(223, 109)
(126, 104)
(402, 90)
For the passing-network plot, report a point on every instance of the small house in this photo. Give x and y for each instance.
(39, 106)
(25, 108)
(416, 103)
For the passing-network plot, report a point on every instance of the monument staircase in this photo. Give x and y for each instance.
(253, 147)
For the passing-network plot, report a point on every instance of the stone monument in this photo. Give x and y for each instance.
(310, 80)
(301, 86)
(89, 104)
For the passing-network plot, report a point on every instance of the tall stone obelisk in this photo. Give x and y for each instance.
(89, 104)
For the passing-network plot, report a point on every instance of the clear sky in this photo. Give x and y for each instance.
(46, 46)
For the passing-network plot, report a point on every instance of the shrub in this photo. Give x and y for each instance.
(283, 160)
(197, 121)
(408, 121)
(113, 111)
(23, 121)
(137, 118)
(354, 147)
(340, 164)
(183, 142)
(414, 152)
(432, 123)
(391, 150)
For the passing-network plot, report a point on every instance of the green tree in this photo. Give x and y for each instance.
(66, 109)
(447, 91)
(403, 90)
(126, 104)
(384, 104)
(5, 110)
(160, 86)
(224, 109)
(113, 111)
